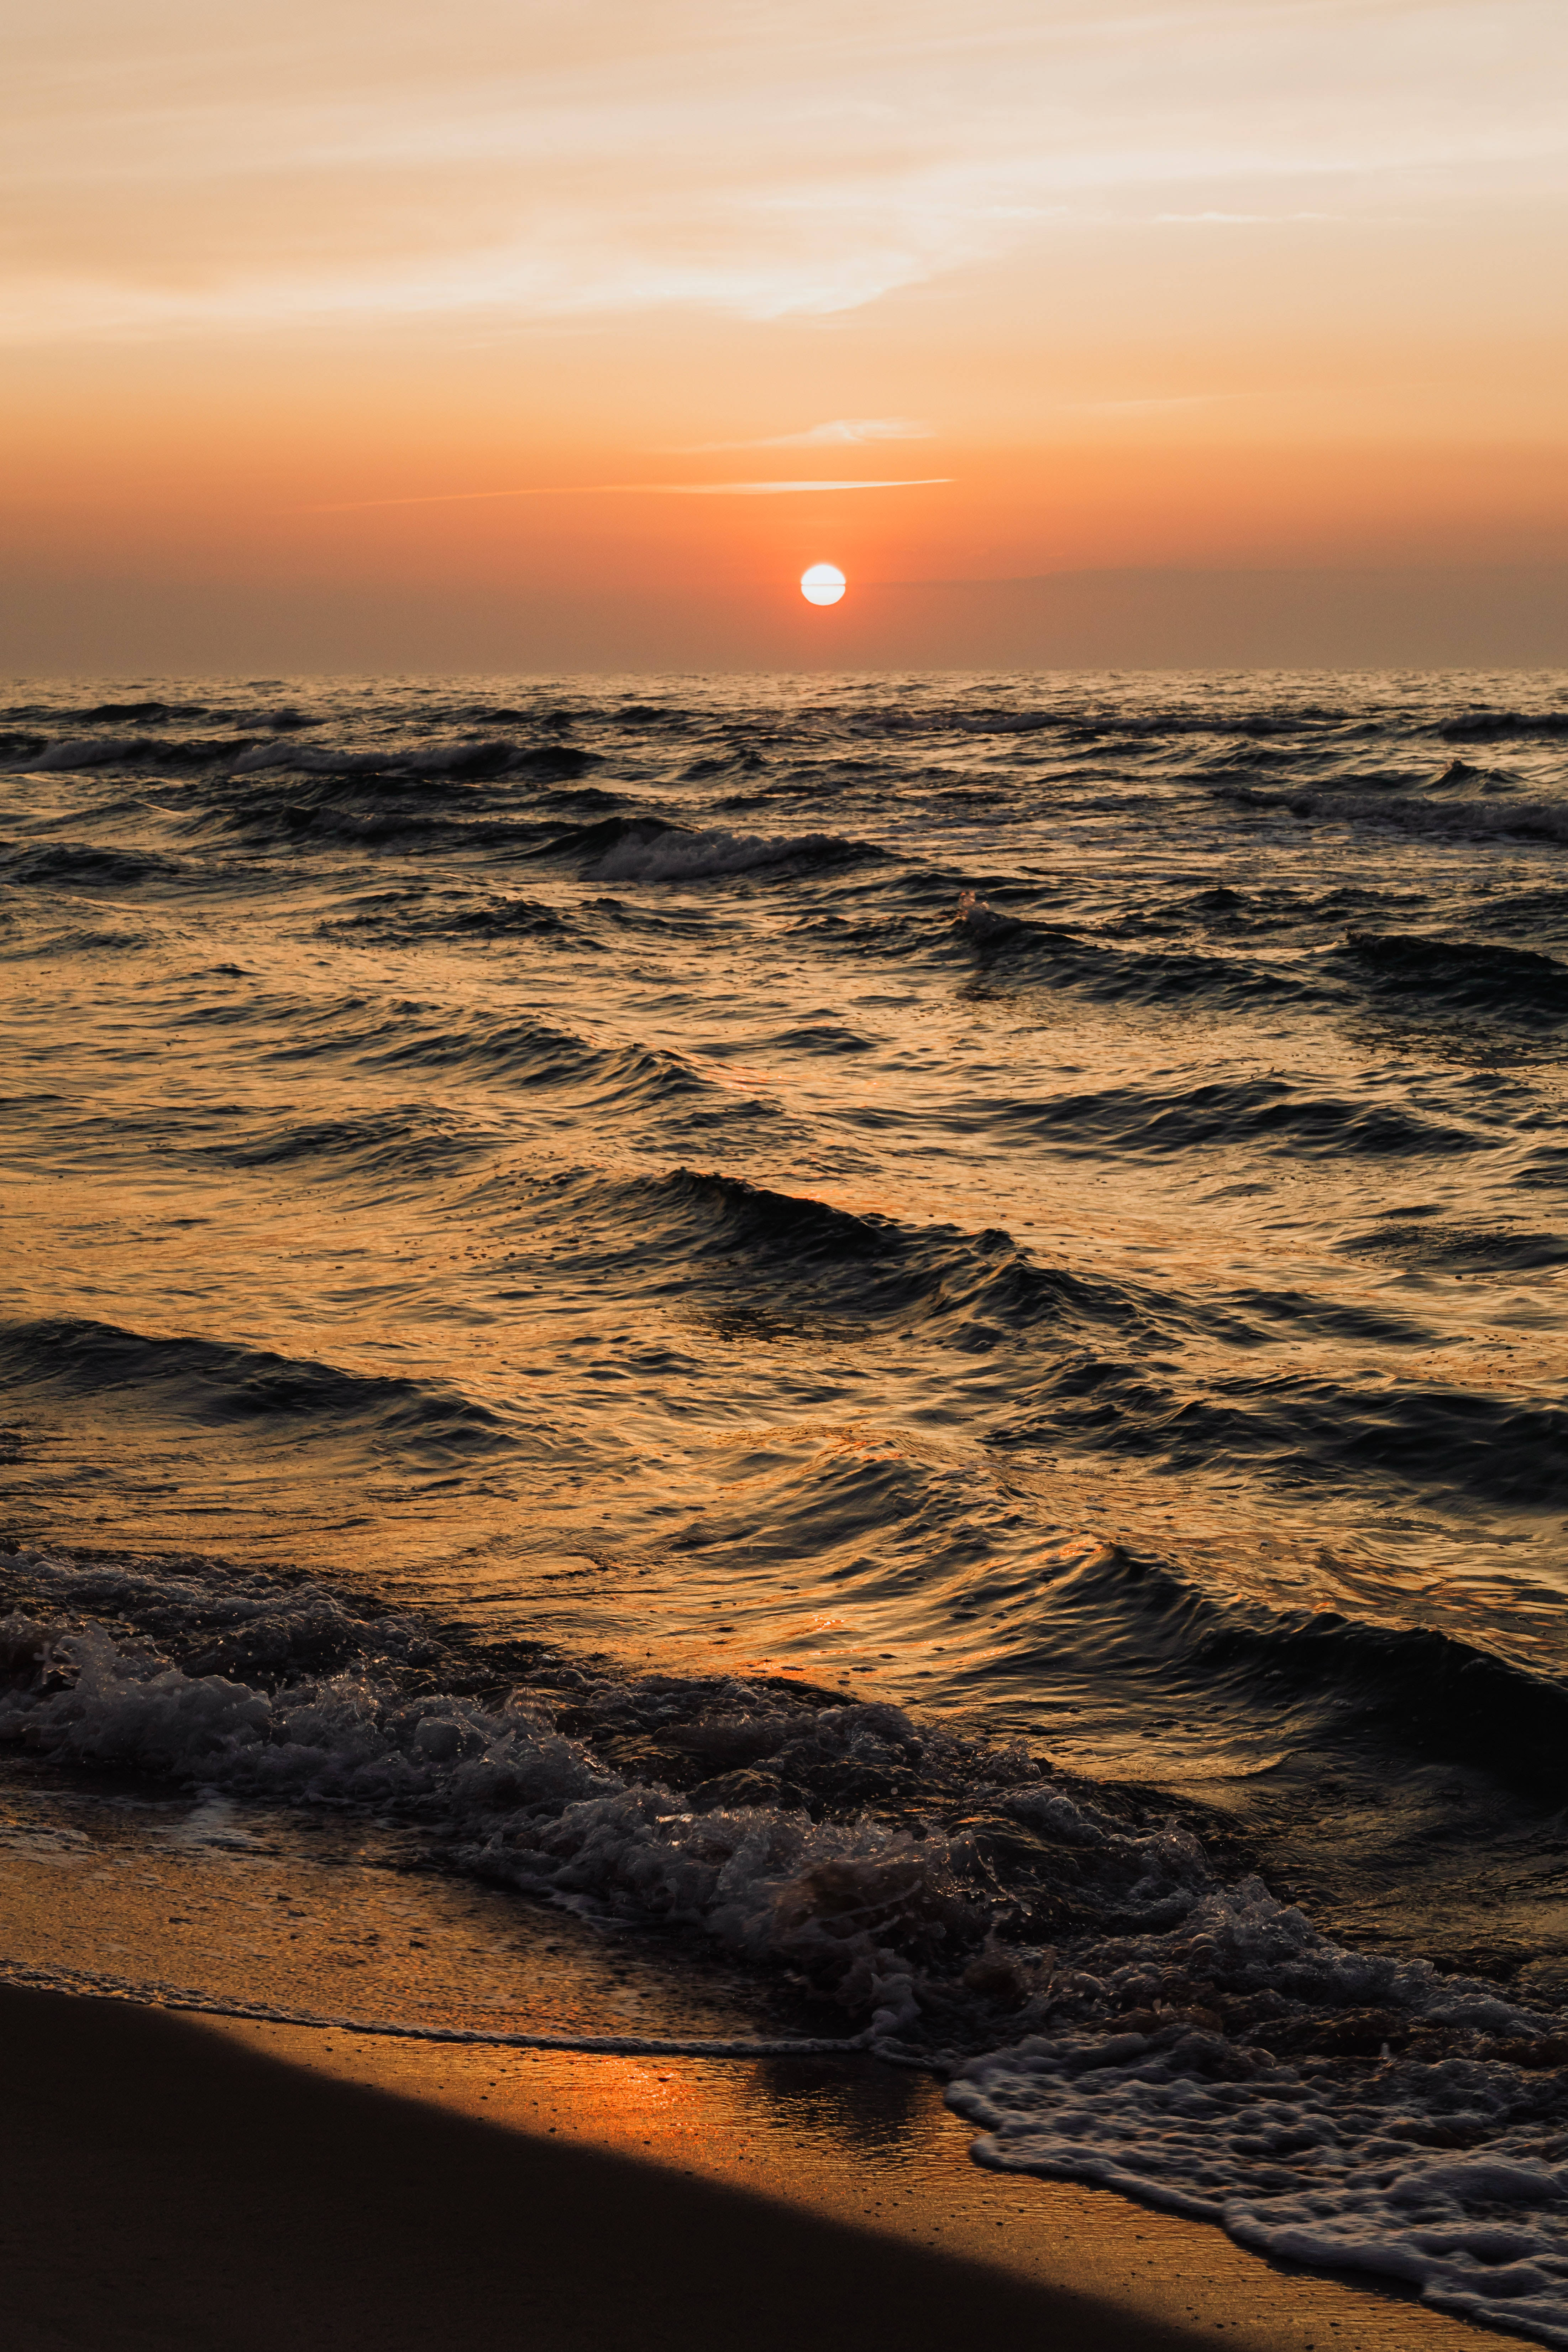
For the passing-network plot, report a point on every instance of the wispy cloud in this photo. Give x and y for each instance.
(633, 490)
(842, 433)
(680, 155)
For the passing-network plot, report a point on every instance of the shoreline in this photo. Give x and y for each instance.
(170, 2180)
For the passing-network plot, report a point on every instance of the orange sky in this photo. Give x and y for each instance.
(554, 296)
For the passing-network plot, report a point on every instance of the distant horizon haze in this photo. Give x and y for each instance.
(1463, 618)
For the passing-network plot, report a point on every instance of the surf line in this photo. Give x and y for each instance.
(81, 1984)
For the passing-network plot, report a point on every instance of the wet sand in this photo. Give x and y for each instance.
(169, 2181)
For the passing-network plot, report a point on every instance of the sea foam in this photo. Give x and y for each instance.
(1445, 2172)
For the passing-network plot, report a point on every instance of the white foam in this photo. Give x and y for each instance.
(525, 1805)
(1448, 2174)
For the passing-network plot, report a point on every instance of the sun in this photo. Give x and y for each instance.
(821, 583)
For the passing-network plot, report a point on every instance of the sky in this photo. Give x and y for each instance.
(565, 333)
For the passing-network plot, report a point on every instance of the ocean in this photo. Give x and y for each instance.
(820, 1362)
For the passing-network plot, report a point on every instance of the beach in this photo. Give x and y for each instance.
(176, 2181)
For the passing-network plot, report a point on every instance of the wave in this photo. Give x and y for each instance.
(1491, 725)
(215, 1382)
(401, 825)
(239, 754)
(1112, 973)
(1409, 1238)
(79, 864)
(403, 919)
(1471, 975)
(462, 761)
(405, 827)
(1085, 723)
(405, 811)
(783, 1254)
(1421, 1689)
(88, 751)
(570, 1777)
(82, 940)
(1435, 1439)
(1013, 723)
(1372, 1695)
(528, 1054)
(650, 849)
(990, 930)
(1541, 911)
(409, 1143)
(1264, 1112)
(142, 752)
(145, 710)
(793, 1827)
(1452, 820)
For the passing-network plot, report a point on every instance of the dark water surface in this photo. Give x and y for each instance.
(915, 1327)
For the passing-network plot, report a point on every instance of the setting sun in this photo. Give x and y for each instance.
(821, 583)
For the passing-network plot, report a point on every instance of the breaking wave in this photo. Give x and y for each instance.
(1189, 2040)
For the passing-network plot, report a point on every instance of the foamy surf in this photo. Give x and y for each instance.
(1444, 2170)
(1206, 2048)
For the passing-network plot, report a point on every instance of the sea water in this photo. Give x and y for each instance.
(898, 1341)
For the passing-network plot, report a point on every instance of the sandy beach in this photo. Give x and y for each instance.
(175, 2181)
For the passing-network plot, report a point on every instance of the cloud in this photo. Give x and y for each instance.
(843, 432)
(186, 172)
(636, 489)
